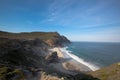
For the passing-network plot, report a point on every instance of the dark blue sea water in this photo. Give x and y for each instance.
(96, 53)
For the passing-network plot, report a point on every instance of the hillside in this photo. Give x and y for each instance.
(51, 38)
(111, 72)
(29, 35)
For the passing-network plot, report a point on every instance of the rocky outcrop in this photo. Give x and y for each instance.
(52, 58)
(57, 41)
(24, 54)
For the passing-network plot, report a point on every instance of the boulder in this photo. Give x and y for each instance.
(52, 58)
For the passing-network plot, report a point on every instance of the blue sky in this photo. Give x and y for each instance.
(79, 20)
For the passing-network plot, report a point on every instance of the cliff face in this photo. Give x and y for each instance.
(57, 41)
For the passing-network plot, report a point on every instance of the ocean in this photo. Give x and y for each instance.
(95, 55)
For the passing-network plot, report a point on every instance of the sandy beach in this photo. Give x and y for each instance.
(67, 63)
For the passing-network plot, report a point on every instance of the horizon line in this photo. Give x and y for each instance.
(98, 41)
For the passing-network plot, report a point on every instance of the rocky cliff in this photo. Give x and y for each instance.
(23, 55)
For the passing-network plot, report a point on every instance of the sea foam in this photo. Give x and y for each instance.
(88, 64)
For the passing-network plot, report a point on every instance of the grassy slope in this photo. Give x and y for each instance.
(109, 73)
(31, 35)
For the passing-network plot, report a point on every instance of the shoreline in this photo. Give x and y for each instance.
(80, 60)
(69, 63)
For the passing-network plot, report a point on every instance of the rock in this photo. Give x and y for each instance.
(45, 76)
(57, 41)
(62, 78)
(118, 64)
(52, 58)
(50, 42)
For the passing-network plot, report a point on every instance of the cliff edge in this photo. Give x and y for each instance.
(51, 38)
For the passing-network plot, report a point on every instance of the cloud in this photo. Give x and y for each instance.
(63, 13)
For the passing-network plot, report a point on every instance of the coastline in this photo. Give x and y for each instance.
(69, 63)
(80, 60)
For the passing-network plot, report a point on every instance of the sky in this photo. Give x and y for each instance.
(78, 20)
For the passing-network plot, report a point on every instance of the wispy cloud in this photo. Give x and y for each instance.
(62, 13)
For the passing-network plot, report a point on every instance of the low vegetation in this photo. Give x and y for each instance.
(111, 72)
